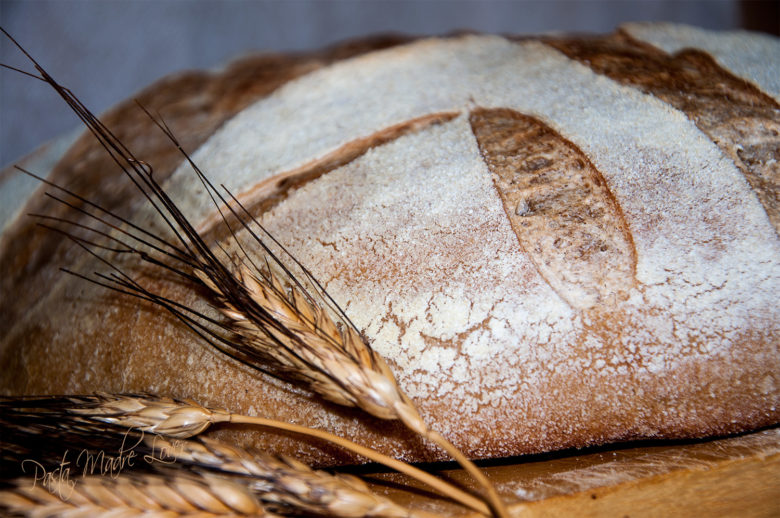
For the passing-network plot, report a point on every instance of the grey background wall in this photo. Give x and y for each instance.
(106, 50)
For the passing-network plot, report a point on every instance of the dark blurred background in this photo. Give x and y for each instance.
(106, 50)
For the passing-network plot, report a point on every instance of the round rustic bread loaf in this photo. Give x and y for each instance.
(554, 242)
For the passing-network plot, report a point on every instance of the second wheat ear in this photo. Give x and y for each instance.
(279, 326)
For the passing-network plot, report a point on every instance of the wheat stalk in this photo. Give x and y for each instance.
(38, 433)
(130, 495)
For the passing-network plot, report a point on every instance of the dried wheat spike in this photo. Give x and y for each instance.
(164, 416)
(307, 344)
(284, 483)
(130, 495)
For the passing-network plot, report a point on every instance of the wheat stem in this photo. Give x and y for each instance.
(409, 415)
(373, 455)
(494, 499)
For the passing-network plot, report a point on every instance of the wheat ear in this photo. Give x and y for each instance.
(335, 360)
(159, 415)
(283, 482)
(186, 418)
(130, 495)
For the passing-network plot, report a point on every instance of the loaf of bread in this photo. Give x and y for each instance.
(555, 242)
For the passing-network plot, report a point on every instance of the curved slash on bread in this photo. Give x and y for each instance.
(559, 206)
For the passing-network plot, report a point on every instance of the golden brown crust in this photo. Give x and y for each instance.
(743, 121)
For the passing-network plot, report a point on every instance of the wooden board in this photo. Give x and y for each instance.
(720, 477)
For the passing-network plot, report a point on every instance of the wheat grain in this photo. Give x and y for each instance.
(307, 344)
(129, 495)
(39, 433)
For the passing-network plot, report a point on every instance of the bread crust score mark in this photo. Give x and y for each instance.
(559, 206)
(557, 202)
(751, 56)
(267, 194)
(746, 127)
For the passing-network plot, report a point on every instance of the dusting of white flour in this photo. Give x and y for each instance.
(412, 240)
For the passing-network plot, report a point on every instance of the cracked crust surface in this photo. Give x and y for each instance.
(390, 175)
